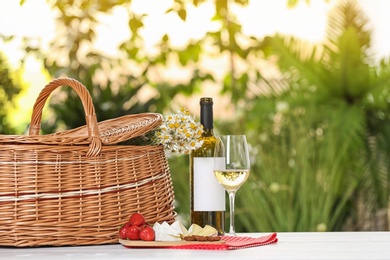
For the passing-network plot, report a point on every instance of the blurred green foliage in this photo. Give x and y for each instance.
(9, 88)
(320, 148)
(316, 159)
(319, 132)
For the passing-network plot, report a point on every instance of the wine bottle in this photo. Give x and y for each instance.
(207, 195)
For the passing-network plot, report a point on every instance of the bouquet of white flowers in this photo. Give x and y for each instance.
(180, 133)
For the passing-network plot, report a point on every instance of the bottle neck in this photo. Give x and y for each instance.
(206, 115)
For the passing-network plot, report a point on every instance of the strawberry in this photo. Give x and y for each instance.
(137, 219)
(147, 233)
(132, 232)
(123, 230)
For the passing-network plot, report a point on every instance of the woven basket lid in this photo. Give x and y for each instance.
(116, 130)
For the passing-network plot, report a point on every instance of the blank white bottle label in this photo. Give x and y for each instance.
(209, 195)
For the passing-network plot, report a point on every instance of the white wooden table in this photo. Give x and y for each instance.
(329, 245)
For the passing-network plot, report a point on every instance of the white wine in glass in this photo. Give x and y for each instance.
(231, 167)
(231, 180)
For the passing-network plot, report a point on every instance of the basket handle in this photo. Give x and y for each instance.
(90, 115)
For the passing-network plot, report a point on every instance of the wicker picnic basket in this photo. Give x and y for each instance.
(77, 187)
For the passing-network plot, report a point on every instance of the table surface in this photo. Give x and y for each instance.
(327, 245)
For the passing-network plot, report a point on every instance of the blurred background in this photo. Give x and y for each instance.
(308, 82)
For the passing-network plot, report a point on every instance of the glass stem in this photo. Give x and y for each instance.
(232, 231)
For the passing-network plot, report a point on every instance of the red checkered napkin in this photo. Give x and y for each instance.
(233, 242)
(238, 242)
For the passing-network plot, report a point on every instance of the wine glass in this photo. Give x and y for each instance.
(231, 167)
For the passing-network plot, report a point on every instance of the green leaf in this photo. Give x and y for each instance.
(165, 38)
(169, 10)
(198, 2)
(242, 2)
(292, 3)
(221, 7)
(135, 23)
(182, 13)
(190, 54)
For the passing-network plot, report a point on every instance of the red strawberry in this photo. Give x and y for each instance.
(137, 219)
(132, 232)
(123, 230)
(147, 233)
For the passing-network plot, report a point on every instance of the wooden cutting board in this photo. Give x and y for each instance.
(140, 243)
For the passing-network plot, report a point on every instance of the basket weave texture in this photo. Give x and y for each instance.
(79, 186)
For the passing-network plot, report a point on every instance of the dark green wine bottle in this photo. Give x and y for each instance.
(207, 195)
